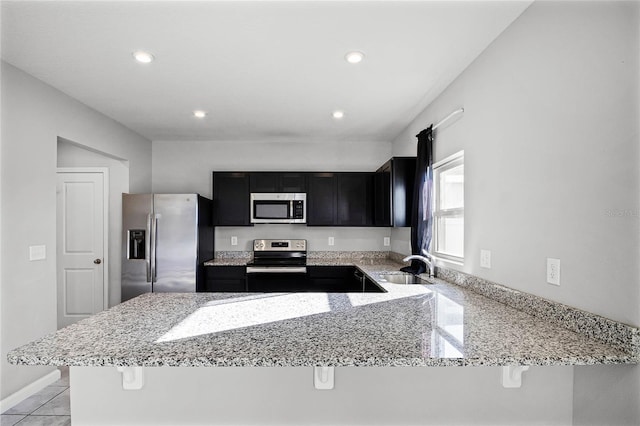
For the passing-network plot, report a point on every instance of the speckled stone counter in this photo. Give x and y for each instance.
(230, 258)
(227, 261)
(438, 324)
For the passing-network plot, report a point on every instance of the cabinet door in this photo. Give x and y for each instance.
(278, 182)
(371, 287)
(403, 176)
(393, 192)
(382, 196)
(264, 182)
(354, 199)
(321, 199)
(231, 199)
(225, 278)
(293, 182)
(333, 279)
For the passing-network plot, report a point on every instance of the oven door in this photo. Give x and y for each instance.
(270, 279)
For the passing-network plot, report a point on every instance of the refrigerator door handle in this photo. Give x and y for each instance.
(154, 246)
(147, 248)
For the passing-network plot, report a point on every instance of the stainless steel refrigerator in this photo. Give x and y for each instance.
(166, 239)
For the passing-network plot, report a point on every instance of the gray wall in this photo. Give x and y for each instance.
(187, 167)
(34, 116)
(550, 135)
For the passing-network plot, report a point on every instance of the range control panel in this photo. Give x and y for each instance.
(279, 245)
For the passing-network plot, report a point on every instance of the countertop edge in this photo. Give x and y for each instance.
(320, 362)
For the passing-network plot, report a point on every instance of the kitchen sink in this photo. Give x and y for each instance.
(402, 278)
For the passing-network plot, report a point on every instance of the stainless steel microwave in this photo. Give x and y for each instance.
(280, 207)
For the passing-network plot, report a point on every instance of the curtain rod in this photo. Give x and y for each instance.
(448, 117)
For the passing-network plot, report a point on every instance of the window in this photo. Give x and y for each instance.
(448, 209)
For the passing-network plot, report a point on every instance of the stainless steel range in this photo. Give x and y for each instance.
(277, 265)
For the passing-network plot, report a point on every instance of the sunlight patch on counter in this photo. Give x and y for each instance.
(231, 314)
(400, 291)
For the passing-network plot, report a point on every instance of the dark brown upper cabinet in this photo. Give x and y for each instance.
(393, 192)
(321, 199)
(231, 199)
(355, 199)
(340, 199)
(278, 182)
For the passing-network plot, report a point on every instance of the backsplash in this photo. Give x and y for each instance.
(355, 255)
(345, 239)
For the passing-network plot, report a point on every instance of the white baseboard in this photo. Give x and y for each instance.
(31, 389)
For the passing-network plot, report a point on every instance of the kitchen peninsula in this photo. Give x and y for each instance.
(408, 326)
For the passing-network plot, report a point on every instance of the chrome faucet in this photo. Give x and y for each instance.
(426, 260)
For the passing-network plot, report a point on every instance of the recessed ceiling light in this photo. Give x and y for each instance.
(338, 114)
(354, 57)
(143, 57)
(199, 113)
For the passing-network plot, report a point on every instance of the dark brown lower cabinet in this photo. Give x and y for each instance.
(225, 278)
(325, 279)
(340, 279)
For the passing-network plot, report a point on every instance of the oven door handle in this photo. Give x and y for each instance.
(276, 270)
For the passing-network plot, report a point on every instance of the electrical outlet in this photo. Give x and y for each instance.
(234, 241)
(485, 259)
(553, 271)
(331, 241)
(387, 241)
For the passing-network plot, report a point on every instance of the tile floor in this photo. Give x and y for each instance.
(49, 407)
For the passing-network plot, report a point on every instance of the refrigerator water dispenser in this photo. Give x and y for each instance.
(136, 244)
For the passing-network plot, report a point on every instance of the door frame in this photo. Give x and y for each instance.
(105, 229)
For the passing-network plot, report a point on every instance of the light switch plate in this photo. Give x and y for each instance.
(331, 241)
(37, 252)
(485, 259)
(234, 241)
(387, 241)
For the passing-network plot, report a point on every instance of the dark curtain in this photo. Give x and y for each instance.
(421, 217)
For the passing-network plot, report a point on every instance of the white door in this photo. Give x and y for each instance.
(81, 241)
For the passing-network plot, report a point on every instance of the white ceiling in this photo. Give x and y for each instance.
(266, 70)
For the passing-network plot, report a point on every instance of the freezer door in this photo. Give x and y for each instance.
(176, 242)
(136, 261)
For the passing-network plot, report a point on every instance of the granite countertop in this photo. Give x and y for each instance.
(439, 324)
(234, 261)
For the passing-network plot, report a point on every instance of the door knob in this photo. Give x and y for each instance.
(97, 261)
